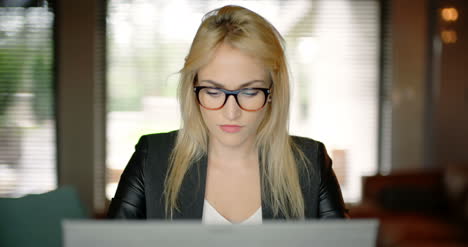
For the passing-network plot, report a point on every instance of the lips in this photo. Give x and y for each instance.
(230, 128)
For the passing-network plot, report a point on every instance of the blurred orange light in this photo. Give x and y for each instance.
(449, 14)
(448, 36)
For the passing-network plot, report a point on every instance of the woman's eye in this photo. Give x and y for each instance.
(249, 92)
(213, 92)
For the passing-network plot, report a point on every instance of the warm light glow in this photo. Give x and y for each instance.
(449, 14)
(448, 36)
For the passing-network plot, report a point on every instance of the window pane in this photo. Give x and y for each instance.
(333, 52)
(27, 123)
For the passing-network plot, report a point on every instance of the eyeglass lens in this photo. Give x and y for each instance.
(249, 99)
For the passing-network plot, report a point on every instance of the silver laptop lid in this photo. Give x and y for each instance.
(80, 233)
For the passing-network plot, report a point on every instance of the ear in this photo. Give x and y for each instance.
(269, 98)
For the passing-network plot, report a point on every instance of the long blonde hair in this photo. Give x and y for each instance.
(280, 159)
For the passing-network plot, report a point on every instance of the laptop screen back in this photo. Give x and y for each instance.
(78, 233)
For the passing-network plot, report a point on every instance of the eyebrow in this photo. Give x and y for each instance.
(217, 84)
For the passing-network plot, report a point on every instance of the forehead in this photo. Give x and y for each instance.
(232, 68)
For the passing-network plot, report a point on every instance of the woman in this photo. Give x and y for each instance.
(233, 161)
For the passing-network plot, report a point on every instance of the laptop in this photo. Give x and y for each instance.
(322, 233)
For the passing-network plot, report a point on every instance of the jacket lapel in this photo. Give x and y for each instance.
(267, 213)
(192, 191)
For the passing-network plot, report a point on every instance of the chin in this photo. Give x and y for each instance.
(232, 140)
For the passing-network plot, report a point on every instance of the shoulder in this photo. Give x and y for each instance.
(158, 141)
(160, 137)
(314, 151)
(156, 149)
(309, 146)
(143, 176)
(319, 183)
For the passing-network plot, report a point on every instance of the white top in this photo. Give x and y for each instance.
(212, 216)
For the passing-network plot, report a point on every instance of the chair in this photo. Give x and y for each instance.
(35, 220)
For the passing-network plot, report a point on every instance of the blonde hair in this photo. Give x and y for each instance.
(249, 32)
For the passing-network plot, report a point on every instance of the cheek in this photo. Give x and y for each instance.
(207, 116)
(203, 115)
(257, 118)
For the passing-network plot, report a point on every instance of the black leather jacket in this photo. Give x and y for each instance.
(139, 194)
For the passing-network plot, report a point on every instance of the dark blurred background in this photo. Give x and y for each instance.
(383, 83)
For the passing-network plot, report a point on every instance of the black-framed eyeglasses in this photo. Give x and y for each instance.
(248, 99)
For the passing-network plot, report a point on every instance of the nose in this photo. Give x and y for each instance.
(231, 110)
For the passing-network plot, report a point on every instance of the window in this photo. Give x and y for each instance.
(27, 122)
(333, 55)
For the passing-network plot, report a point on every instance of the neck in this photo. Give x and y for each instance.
(233, 155)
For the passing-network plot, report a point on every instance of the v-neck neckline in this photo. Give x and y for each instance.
(220, 216)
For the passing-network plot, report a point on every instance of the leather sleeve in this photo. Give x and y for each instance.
(331, 203)
(129, 200)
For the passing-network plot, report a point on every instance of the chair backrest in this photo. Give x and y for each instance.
(35, 220)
